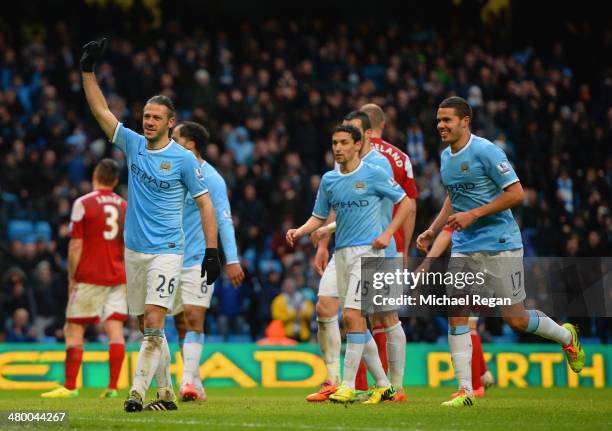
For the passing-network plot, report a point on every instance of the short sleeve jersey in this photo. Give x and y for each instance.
(356, 198)
(195, 243)
(473, 177)
(97, 218)
(158, 181)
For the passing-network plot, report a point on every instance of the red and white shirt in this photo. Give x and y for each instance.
(98, 218)
(403, 175)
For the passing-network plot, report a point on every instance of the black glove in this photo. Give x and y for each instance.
(211, 265)
(92, 52)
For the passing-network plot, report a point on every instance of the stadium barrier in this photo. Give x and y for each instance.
(40, 366)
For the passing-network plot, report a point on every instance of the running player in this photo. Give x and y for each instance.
(160, 174)
(96, 277)
(482, 187)
(194, 294)
(355, 190)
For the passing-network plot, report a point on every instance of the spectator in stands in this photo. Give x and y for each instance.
(19, 329)
(294, 310)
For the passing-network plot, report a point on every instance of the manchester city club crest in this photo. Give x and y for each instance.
(165, 167)
(465, 168)
(360, 187)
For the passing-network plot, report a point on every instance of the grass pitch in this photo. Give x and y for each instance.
(285, 409)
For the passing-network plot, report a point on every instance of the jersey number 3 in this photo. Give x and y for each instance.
(112, 220)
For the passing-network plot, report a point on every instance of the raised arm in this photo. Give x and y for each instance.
(96, 100)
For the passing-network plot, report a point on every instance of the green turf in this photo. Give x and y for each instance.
(285, 409)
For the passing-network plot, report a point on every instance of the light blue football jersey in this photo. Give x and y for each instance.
(356, 198)
(195, 243)
(386, 207)
(158, 181)
(473, 177)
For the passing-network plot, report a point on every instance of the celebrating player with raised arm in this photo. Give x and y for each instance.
(194, 295)
(355, 190)
(96, 277)
(161, 172)
(482, 187)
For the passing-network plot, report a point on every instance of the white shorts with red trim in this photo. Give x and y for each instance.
(91, 303)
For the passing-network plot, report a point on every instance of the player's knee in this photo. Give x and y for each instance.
(386, 320)
(517, 323)
(154, 317)
(326, 307)
(194, 320)
(353, 320)
(73, 334)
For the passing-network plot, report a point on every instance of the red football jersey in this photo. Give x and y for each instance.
(402, 173)
(98, 218)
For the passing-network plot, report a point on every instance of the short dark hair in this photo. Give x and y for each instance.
(361, 116)
(459, 104)
(107, 172)
(195, 132)
(160, 99)
(352, 130)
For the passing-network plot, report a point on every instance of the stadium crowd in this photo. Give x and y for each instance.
(270, 93)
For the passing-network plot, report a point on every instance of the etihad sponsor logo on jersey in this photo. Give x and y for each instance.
(361, 203)
(360, 187)
(149, 181)
(461, 187)
(165, 167)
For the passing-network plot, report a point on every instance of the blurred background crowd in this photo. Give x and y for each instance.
(270, 89)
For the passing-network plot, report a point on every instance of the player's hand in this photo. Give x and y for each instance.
(211, 265)
(460, 221)
(424, 240)
(292, 236)
(381, 242)
(92, 52)
(319, 234)
(320, 260)
(235, 273)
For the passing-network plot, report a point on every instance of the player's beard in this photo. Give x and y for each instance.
(157, 137)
